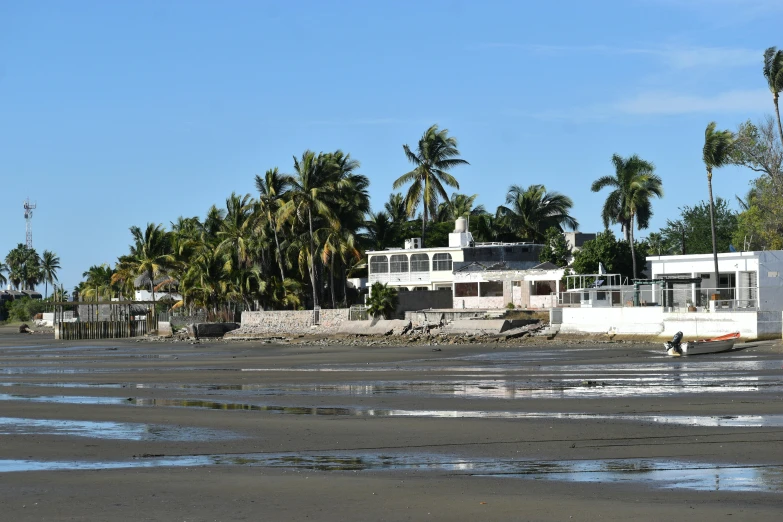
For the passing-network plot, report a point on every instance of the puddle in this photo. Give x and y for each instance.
(655, 473)
(747, 421)
(108, 430)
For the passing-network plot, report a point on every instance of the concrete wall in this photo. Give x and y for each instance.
(621, 321)
(293, 321)
(422, 300)
(653, 321)
(479, 302)
(770, 281)
(543, 301)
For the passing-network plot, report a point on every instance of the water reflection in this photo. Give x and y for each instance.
(653, 472)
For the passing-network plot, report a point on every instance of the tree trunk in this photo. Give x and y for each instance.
(777, 112)
(633, 251)
(712, 226)
(279, 252)
(331, 280)
(46, 289)
(423, 222)
(312, 259)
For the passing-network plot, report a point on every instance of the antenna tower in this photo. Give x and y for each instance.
(28, 217)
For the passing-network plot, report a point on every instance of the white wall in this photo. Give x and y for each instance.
(699, 325)
(146, 295)
(770, 280)
(618, 320)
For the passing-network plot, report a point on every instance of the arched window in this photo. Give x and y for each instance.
(420, 263)
(441, 262)
(398, 264)
(379, 265)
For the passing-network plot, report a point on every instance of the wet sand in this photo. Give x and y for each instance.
(125, 430)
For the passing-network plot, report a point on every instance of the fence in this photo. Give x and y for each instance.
(103, 329)
(358, 313)
(677, 298)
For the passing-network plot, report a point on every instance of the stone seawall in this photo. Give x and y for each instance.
(285, 322)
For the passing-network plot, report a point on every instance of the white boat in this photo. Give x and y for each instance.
(723, 343)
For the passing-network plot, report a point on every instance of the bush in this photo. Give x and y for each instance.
(25, 309)
(383, 301)
(510, 306)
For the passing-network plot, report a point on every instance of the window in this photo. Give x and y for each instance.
(379, 264)
(491, 289)
(420, 263)
(465, 289)
(441, 262)
(399, 264)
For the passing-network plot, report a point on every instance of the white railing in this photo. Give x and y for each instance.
(400, 277)
(680, 298)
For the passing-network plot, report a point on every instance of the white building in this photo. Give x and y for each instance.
(747, 297)
(479, 275)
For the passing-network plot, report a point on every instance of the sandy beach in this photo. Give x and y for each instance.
(127, 430)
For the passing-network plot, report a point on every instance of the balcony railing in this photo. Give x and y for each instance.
(400, 277)
(681, 298)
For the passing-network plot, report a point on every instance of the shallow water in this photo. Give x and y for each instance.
(108, 430)
(767, 420)
(656, 473)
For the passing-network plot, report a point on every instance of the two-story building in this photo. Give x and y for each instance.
(478, 275)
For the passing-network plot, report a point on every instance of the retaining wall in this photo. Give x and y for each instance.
(291, 322)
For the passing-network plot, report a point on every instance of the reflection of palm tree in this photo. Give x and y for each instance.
(533, 211)
(716, 153)
(773, 72)
(436, 153)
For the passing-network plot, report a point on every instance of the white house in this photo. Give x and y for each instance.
(479, 275)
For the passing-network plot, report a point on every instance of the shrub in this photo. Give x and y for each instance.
(383, 300)
(25, 309)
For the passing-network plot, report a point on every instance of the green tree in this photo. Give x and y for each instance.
(396, 209)
(690, 234)
(272, 189)
(311, 196)
(531, 211)
(435, 155)
(150, 254)
(758, 147)
(717, 152)
(615, 256)
(50, 264)
(760, 224)
(630, 174)
(3, 271)
(383, 300)
(97, 282)
(556, 249)
(460, 205)
(24, 267)
(773, 72)
(657, 244)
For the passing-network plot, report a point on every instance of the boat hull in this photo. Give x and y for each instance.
(723, 343)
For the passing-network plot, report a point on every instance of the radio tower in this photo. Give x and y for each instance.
(28, 217)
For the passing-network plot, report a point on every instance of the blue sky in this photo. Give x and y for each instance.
(115, 114)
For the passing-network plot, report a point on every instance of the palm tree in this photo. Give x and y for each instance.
(645, 187)
(379, 231)
(310, 196)
(50, 264)
(98, 282)
(3, 270)
(460, 205)
(773, 72)
(532, 211)
(24, 267)
(395, 208)
(628, 173)
(383, 300)
(716, 153)
(436, 153)
(272, 189)
(236, 229)
(150, 255)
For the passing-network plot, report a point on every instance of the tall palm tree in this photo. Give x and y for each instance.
(98, 281)
(310, 197)
(644, 187)
(629, 172)
(236, 229)
(150, 255)
(272, 189)
(436, 154)
(379, 231)
(50, 264)
(532, 211)
(773, 72)
(716, 153)
(24, 267)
